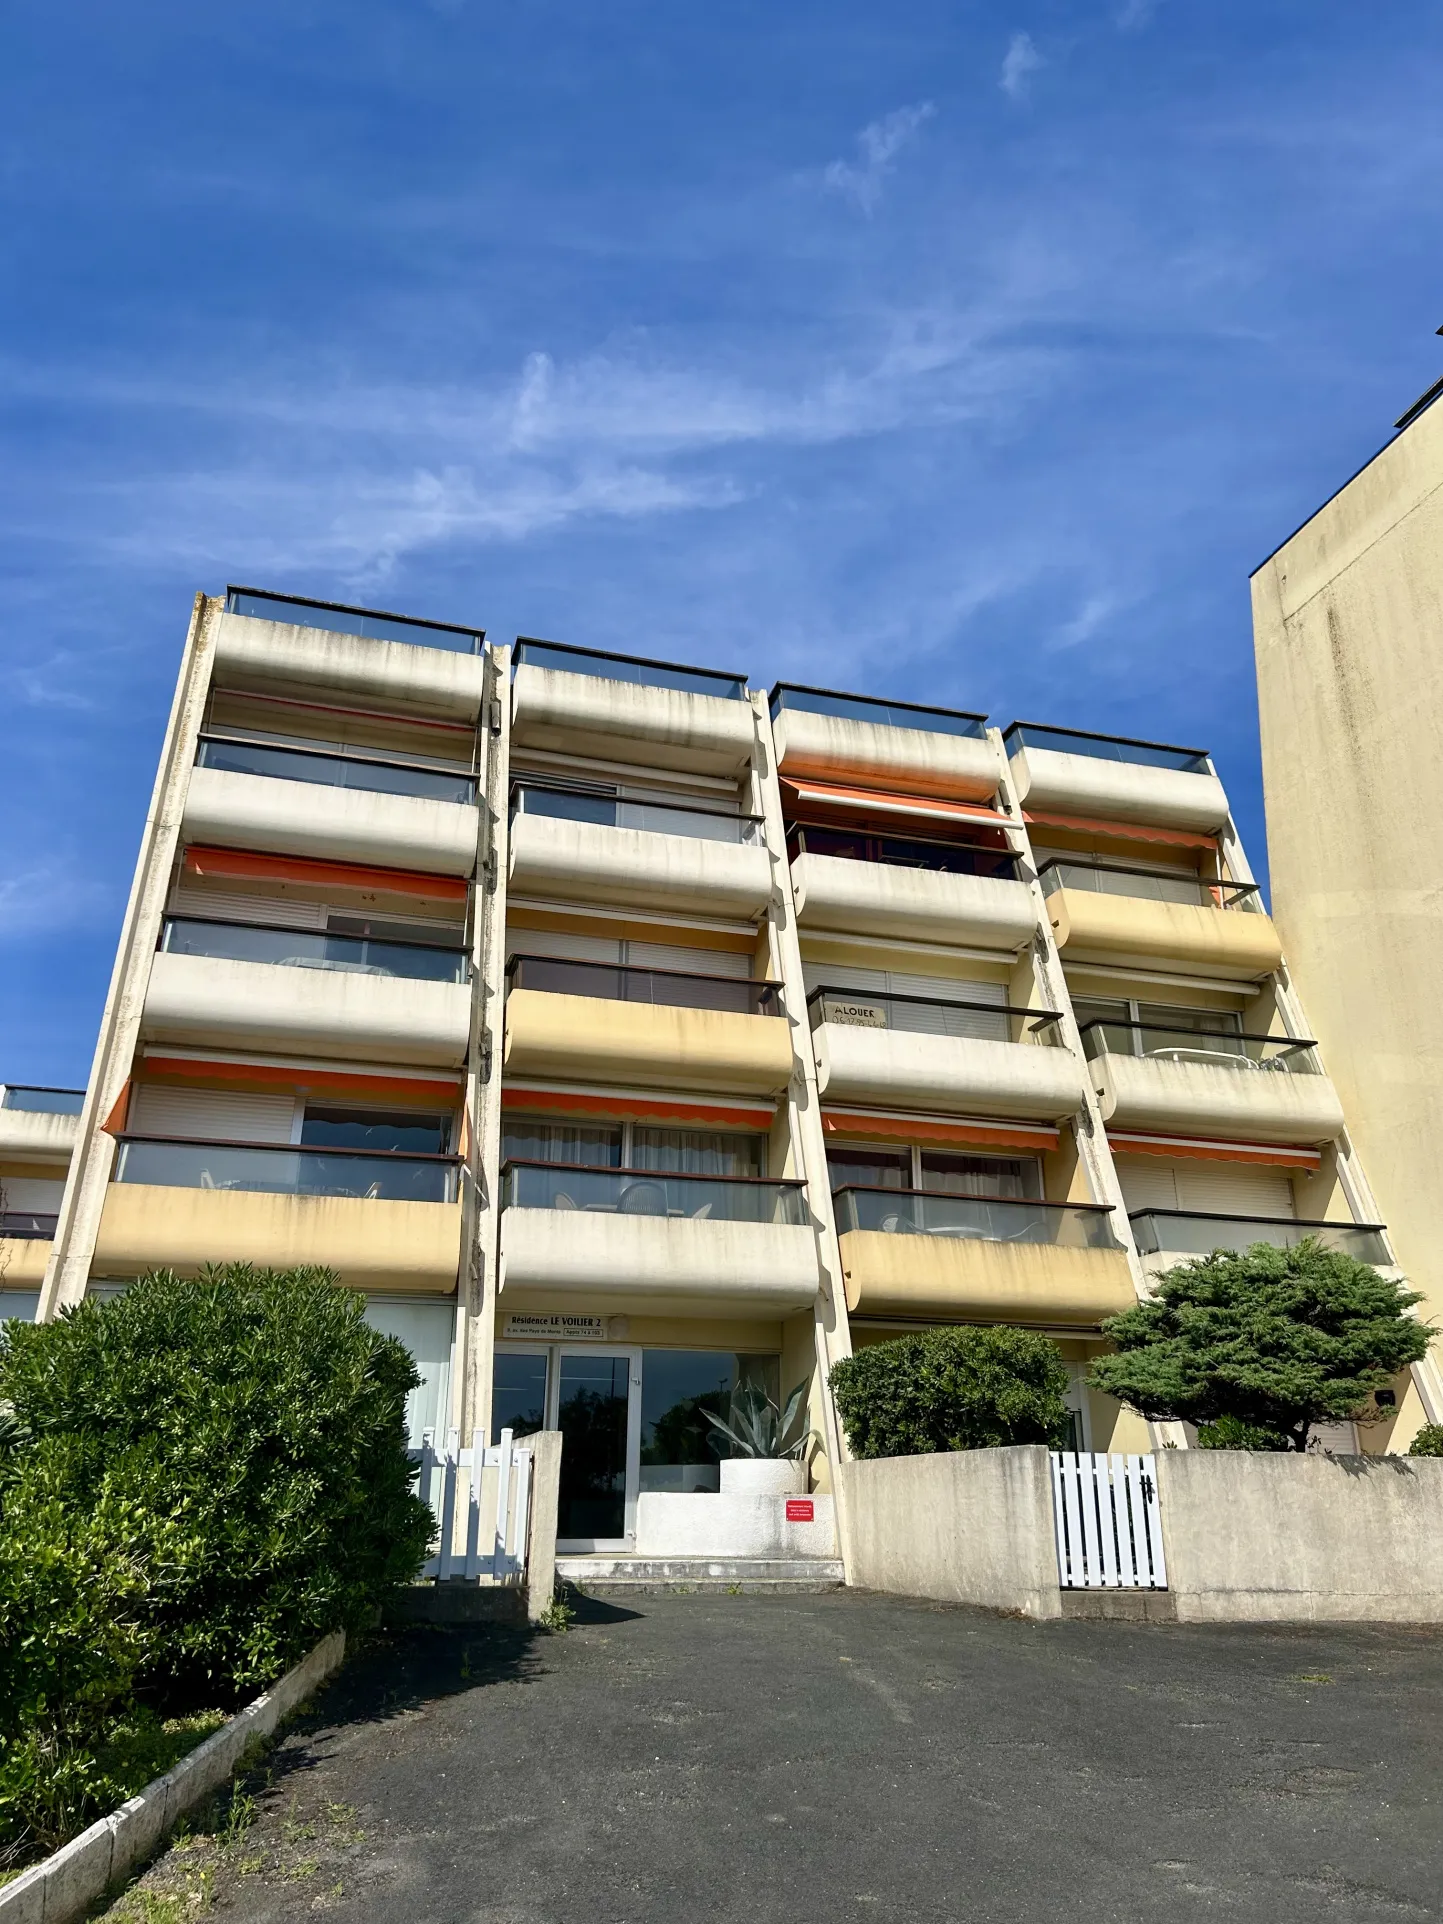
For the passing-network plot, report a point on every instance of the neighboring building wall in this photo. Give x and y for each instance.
(1348, 618)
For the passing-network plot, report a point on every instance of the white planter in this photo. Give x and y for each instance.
(762, 1476)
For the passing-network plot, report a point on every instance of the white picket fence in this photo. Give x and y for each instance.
(1109, 1532)
(480, 1532)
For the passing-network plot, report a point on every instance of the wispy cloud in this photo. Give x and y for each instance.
(1019, 63)
(1130, 15)
(878, 146)
(50, 896)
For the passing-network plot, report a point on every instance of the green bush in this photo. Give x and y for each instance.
(1428, 1441)
(965, 1388)
(1231, 1433)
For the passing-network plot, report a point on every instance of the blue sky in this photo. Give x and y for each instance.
(965, 353)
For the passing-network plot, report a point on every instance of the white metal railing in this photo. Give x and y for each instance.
(1109, 1531)
(458, 1485)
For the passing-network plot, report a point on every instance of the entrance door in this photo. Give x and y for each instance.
(598, 1411)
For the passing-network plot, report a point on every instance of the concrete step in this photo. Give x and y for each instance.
(610, 1576)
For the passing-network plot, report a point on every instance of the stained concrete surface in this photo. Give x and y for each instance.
(817, 1759)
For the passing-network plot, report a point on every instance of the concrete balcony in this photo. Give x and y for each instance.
(37, 1136)
(654, 1244)
(372, 1244)
(425, 681)
(637, 868)
(875, 1049)
(952, 757)
(306, 1011)
(1230, 1099)
(228, 810)
(22, 1261)
(595, 1038)
(579, 713)
(957, 1259)
(1159, 921)
(1106, 779)
(1168, 1236)
(924, 905)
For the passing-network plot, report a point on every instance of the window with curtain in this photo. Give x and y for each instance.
(873, 1168)
(697, 1152)
(1016, 1178)
(570, 1142)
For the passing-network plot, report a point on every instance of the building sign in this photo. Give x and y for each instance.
(801, 1509)
(856, 1014)
(557, 1329)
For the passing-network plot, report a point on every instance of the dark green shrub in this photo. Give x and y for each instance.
(1231, 1433)
(965, 1388)
(250, 1428)
(1278, 1339)
(1428, 1441)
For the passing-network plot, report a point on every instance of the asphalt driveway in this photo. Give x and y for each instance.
(819, 1759)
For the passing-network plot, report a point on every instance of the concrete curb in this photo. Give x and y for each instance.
(66, 1884)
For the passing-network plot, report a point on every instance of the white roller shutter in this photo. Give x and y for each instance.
(921, 1018)
(1209, 1188)
(1147, 1182)
(211, 1115)
(32, 1195)
(251, 909)
(564, 945)
(671, 955)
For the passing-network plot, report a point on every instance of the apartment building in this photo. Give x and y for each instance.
(1348, 624)
(632, 1038)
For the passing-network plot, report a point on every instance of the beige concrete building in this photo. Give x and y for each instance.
(1348, 622)
(633, 1039)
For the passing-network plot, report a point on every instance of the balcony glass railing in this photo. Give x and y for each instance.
(42, 1102)
(924, 1015)
(614, 811)
(664, 988)
(637, 669)
(883, 714)
(264, 1169)
(1191, 1233)
(369, 623)
(1113, 878)
(1105, 748)
(990, 1219)
(650, 1192)
(895, 851)
(330, 770)
(1164, 1043)
(27, 1225)
(312, 949)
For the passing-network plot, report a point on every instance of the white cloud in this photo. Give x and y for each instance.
(52, 895)
(1020, 62)
(1130, 15)
(878, 146)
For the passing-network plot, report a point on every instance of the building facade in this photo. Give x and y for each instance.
(1348, 623)
(636, 1041)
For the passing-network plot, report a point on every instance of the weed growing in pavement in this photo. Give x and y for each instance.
(557, 1616)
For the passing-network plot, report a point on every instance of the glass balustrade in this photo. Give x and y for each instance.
(1148, 885)
(1105, 748)
(1192, 1233)
(897, 851)
(636, 669)
(42, 1102)
(1291, 1055)
(27, 1225)
(169, 1163)
(614, 811)
(312, 949)
(368, 623)
(329, 770)
(925, 1015)
(663, 988)
(916, 1212)
(885, 714)
(634, 1192)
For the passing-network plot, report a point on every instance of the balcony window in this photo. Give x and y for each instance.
(634, 1147)
(369, 623)
(312, 949)
(884, 714)
(929, 1015)
(372, 775)
(1106, 748)
(1150, 885)
(636, 669)
(629, 1192)
(680, 1451)
(1194, 1233)
(42, 1102)
(1187, 1043)
(974, 1219)
(616, 811)
(170, 1163)
(663, 988)
(935, 1171)
(375, 1131)
(27, 1225)
(895, 851)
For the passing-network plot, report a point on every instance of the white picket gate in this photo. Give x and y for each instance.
(453, 1481)
(1109, 1533)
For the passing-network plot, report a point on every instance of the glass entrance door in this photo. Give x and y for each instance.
(598, 1411)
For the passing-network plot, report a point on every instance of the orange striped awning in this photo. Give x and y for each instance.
(889, 802)
(1120, 831)
(879, 1126)
(430, 1092)
(624, 1106)
(246, 865)
(1271, 1154)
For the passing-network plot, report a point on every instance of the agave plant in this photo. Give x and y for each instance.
(756, 1427)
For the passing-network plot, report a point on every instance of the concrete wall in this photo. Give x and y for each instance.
(955, 1278)
(958, 1073)
(972, 1526)
(1198, 1099)
(837, 749)
(669, 1524)
(427, 681)
(334, 824)
(1230, 943)
(593, 715)
(870, 898)
(637, 868)
(1118, 791)
(31, 1136)
(1348, 622)
(654, 1264)
(592, 1039)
